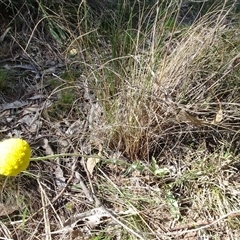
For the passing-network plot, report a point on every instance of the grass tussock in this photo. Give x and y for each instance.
(151, 104)
(151, 95)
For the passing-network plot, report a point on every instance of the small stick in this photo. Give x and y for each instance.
(199, 226)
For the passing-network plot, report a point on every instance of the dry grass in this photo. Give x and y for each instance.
(154, 110)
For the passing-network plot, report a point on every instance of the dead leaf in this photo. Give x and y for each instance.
(91, 163)
(6, 210)
(75, 127)
(73, 52)
(13, 105)
(219, 116)
(183, 116)
(43, 142)
(60, 179)
(37, 97)
(91, 218)
(94, 218)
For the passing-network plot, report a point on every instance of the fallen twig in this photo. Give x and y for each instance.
(202, 225)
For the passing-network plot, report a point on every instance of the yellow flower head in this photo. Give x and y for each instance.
(14, 156)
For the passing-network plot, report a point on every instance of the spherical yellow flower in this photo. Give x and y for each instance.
(14, 156)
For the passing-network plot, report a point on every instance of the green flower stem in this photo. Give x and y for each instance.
(109, 160)
(62, 155)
